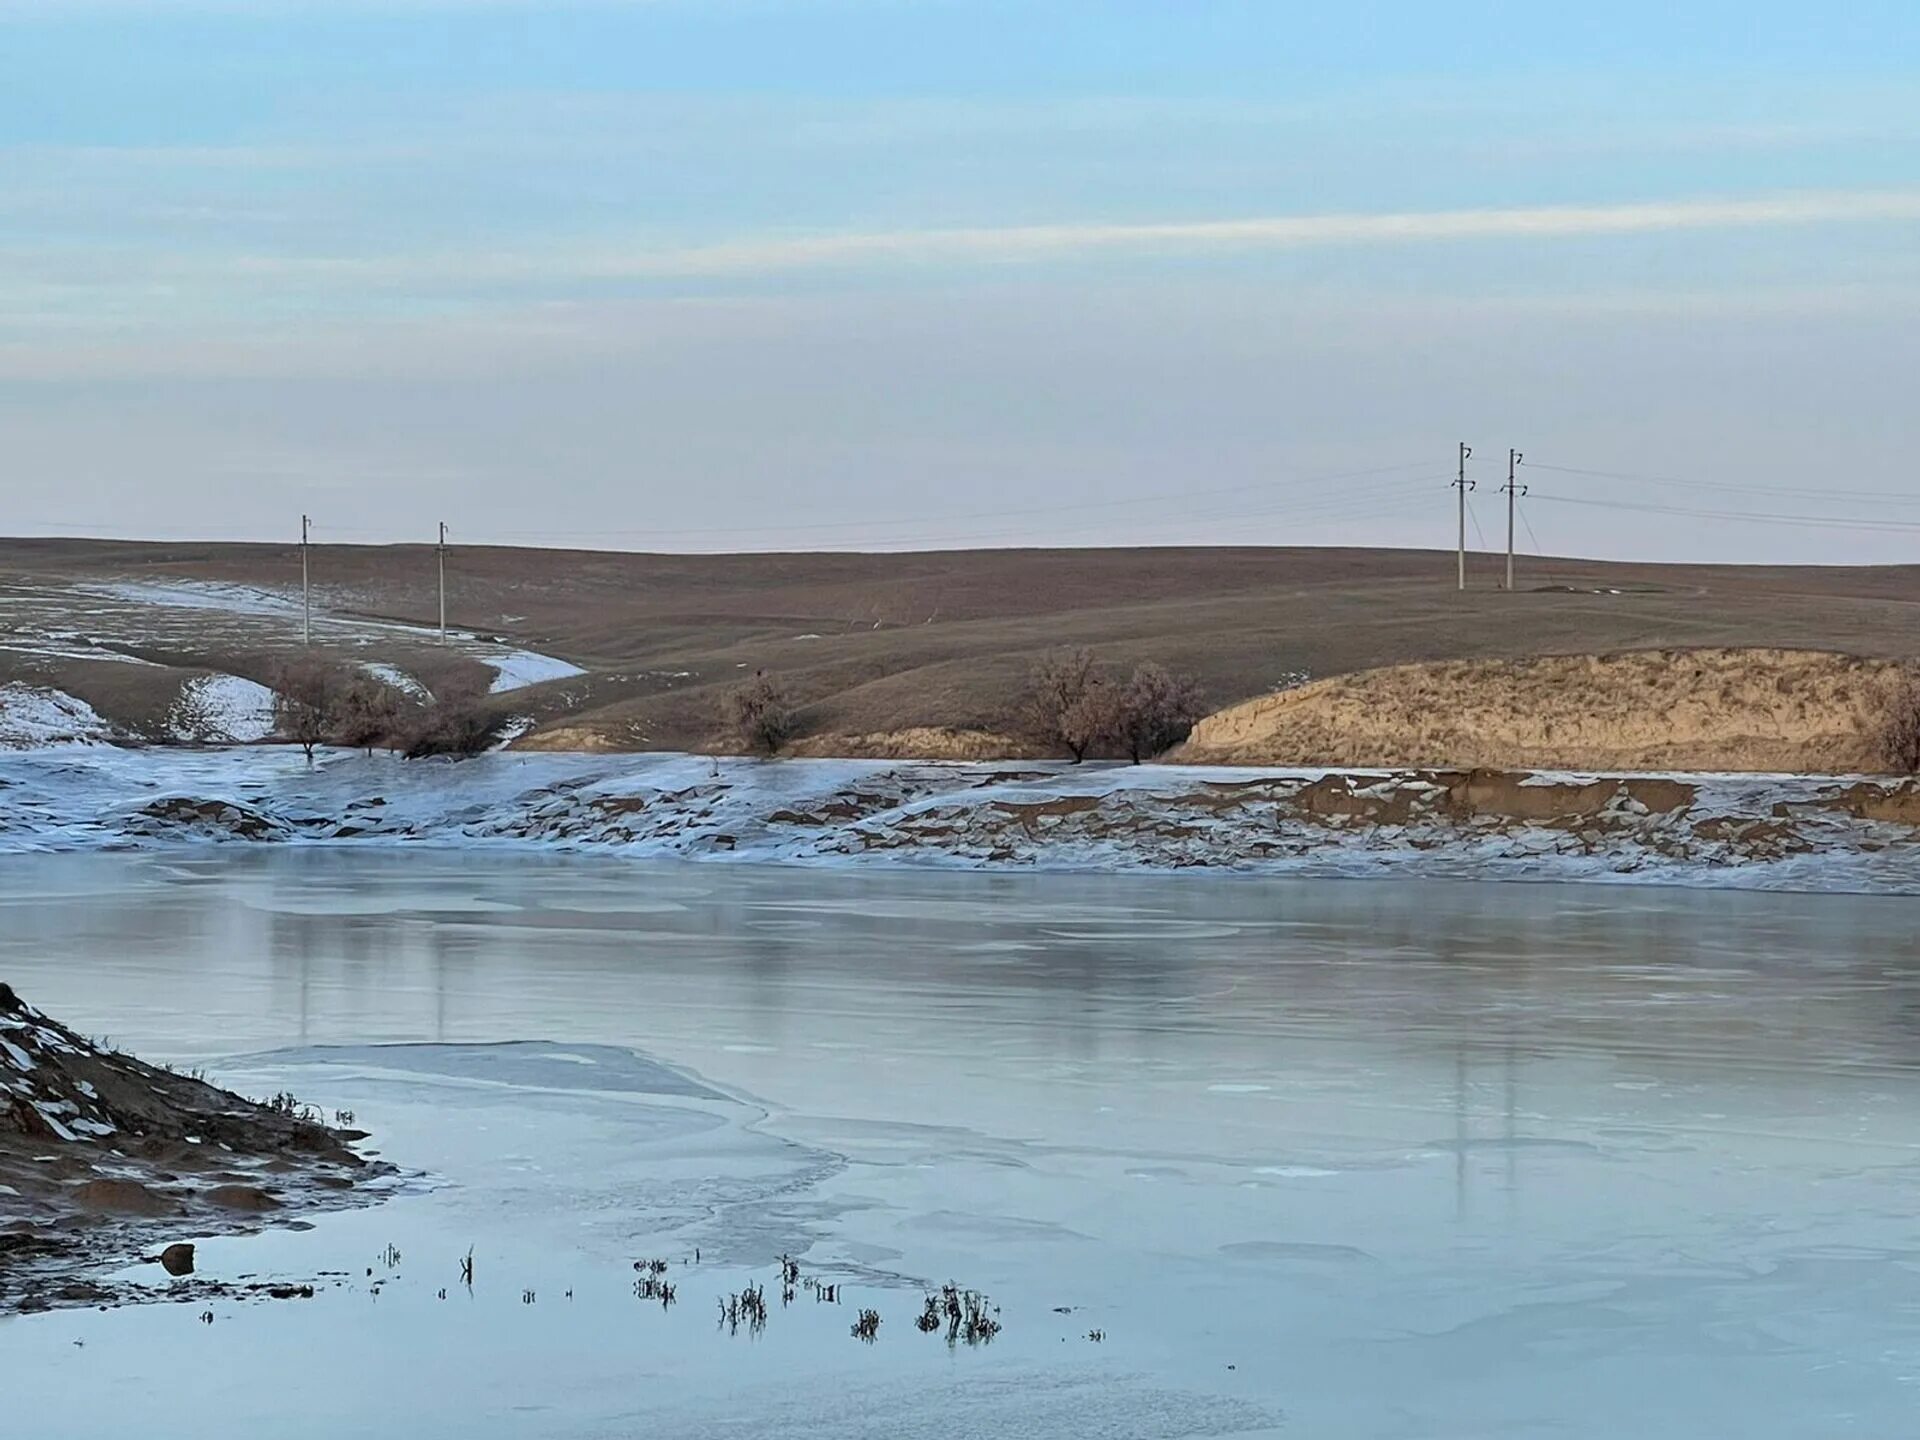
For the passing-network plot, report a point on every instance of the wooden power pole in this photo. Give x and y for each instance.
(306, 585)
(1462, 484)
(1514, 457)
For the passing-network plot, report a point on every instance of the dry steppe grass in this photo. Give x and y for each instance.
(926, 653)
(1714, 709)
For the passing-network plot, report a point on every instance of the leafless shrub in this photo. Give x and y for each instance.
(453, 727)
(369, 712)
(1069, 703)
(307, 695)
(467, 686)
(761, 714)
(1897, 730)
(1156, 711)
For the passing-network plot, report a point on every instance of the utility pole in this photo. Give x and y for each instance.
(443, 582)
(306, 584)
(1463, 485)
(1514, 457)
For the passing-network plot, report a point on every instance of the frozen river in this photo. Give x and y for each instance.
(1315, 1158)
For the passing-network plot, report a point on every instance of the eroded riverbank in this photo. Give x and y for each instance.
(1743, 831)
(106, 1161)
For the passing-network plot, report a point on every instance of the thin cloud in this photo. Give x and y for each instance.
(1023, 244)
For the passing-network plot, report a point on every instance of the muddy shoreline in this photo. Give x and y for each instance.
(107, 1161)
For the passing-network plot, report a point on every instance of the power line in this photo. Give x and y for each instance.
(1356, 502)
(1829, 522)
(1538, 549)
(1784, 491)
(1478, 533)
(1103, 503)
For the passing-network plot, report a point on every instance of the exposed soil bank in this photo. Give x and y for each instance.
(105, 1159)
(1749, 831)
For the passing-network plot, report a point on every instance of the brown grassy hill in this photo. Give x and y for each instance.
(1720, 709)
(927, 652)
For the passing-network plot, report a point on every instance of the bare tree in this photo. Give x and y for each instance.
(1069, 703)
(761, 713)
(1897, 736)
(307, 693)
(369, 712)
(1156, 711)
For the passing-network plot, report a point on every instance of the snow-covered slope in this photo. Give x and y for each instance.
(222, 710)
(34, 715)
(148, 612)
(517, 669)
(1777, 832)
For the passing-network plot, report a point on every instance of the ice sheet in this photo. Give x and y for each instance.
(1430, 1159)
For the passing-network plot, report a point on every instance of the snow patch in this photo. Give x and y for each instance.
(399, 679)
(515, 727)
(222, 709)
(198, 595)
(32, 715)
(517, 669)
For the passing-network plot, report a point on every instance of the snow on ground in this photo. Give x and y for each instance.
(157, 612)
(33, 715)
(198, 595)
(399, 679)
(517, 669)
(37, 621)
(67, 648)
(515, 727)
(1747, 831)
(222, 709)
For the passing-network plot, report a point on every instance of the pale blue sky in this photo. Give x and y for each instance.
(717, 273)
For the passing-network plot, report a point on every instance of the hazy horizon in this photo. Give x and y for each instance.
(1484, 564)
(909, 274)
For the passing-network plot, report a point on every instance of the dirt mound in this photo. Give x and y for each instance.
(1719, 709)
(103, 1156)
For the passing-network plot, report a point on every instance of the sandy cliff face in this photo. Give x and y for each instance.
(1732, 710)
